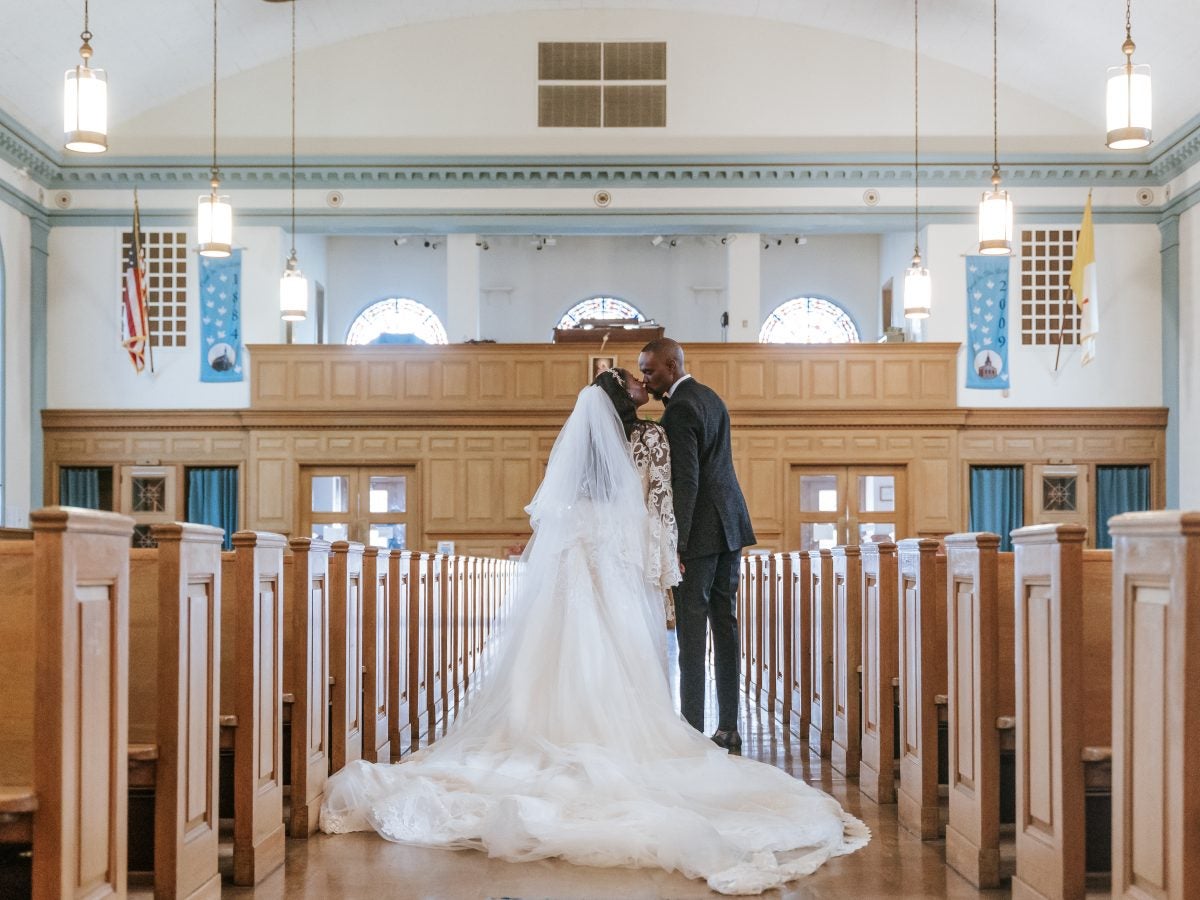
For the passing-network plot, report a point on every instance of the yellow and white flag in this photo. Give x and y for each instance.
(1083, 284)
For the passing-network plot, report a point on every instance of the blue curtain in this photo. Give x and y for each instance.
(212, 499)
(1119, 489)
(79, 487)
(997, 500)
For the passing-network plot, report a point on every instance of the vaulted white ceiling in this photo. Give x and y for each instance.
(159, 53)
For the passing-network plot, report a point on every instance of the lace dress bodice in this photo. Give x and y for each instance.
(652, 456)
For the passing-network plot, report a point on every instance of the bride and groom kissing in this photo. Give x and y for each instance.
(569, 745)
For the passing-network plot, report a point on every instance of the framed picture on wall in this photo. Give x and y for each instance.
(598, 364)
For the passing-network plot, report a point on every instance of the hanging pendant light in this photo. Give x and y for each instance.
(293, 286)
(214, 218)
(918, 287)
(85, 101)
(1129, 99)
(996, 208)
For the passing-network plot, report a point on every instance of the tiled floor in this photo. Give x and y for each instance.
(895, 864)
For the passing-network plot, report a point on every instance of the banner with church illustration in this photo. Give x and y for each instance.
(987, 322)
(221, 318)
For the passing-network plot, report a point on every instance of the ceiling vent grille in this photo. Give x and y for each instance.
(602, 85)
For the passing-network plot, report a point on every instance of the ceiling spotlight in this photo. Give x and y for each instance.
(400, 241)
(656, 240)
(673, 242)
(482, 245)
(766, 245)
(728, 239)
(801, 240)
(432, 245)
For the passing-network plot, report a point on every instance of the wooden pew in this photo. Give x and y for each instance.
(437, 618)
(376, 647)
(1156, 704)
(306, 677)
(880, 671)
(921, 616)
(800, 575)
(346, 652)
(419, 647)
(1063, 645)
(820, 640)
(252, 698)
(745, 617)
(174, 685)
(400, 675)
(846, 750)
(456, 633)
(64, 700)
(781, 636)
(765, 633)
(982, 703)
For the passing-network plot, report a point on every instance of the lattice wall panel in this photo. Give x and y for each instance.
(1048, 310)
(166, 257)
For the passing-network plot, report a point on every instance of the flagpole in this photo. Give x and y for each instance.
(138, 261)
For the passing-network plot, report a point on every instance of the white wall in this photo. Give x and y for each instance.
(88, 367)
(1189, 358)
(1127, 369)
(843, 268)
(18, 421)
(311, 254)
(365, 270)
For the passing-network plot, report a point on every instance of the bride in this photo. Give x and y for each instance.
(570, 746)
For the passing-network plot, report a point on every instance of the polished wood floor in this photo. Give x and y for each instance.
(893, 865)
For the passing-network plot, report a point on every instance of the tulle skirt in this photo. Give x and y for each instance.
(570, 747)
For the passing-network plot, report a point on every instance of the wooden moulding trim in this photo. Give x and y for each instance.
(184, 420)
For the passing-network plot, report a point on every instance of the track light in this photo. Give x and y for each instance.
(801, 240)
(656, 240)
(673, 242)
(400, 241)
(432, 245)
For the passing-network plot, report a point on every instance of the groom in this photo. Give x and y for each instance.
(714, 526)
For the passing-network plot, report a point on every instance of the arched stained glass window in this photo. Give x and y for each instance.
(599, 308)
(808, 320)
(397, 320)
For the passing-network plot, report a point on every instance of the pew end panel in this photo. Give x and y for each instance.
(306, 678)
(257, 596)
(922, 663)
(880, 670)
(801, 605)
(376, 630)
(783, 632)
(820, 617)
(399, 672)
(846, 750)
(345, 651)
(80, 769)
(1156, 704)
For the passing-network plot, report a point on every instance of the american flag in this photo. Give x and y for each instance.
(135, 324)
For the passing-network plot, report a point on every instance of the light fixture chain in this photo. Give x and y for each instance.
(293, 129)
(214, 97)
(995, 82)
(1128, 21)
(87, 32)
(916, 129)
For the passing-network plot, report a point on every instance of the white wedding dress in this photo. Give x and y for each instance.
(570, 746)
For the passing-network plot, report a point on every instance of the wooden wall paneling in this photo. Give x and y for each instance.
(1156, 704)
(921, 586)
(846, 750)
(880, 670)
(376, 649)
(400, 733)
(18, 620)
(306, 678)
(801, 684)
(346, 599)
(188, 655)
(820, 641)
(1063, 689)
(81, 693)
(252, 673)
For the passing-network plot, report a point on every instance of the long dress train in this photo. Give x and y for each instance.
(570, 746)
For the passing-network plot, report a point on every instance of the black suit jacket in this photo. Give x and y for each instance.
(709, 507)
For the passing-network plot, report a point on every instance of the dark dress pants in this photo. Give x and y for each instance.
(706, 599)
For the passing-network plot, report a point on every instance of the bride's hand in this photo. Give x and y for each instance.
(681, 566)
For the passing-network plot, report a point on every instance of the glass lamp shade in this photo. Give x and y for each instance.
(918, 291)
(85, 110)
(293, 294)
(215, 225)
(1129, 107)
(995, 223)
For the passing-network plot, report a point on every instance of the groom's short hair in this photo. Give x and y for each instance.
(667, 349)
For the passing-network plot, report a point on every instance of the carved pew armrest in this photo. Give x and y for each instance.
(228, 725)
(143, 765)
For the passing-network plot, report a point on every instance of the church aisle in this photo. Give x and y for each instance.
(894, 865)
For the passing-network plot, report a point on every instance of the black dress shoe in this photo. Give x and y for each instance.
(729, 739)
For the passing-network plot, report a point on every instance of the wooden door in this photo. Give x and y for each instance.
(836, 505)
